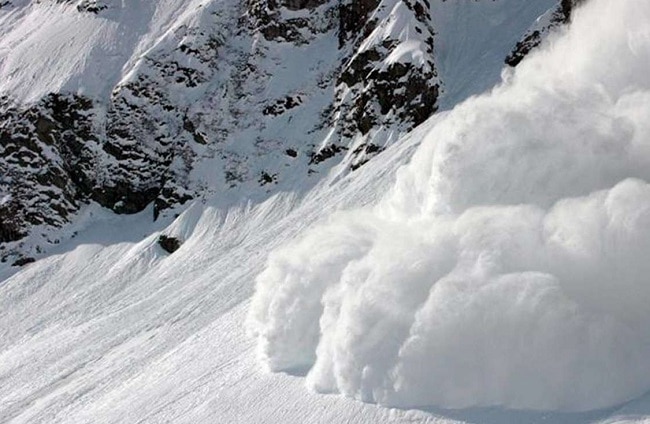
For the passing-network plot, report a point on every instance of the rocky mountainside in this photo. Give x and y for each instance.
(130, 104)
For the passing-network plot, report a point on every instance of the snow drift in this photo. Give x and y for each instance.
(508, 263)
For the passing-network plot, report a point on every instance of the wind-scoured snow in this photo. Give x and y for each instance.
(507, 265)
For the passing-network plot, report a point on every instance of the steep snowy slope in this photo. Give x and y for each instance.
(128, 103)
(128, 333)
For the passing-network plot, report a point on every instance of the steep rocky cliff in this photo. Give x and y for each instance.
(128, 104)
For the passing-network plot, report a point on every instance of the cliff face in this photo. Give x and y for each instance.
(129, 104)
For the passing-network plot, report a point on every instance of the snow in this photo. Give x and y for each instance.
(506, 266)
(111, 329)
(48, 47)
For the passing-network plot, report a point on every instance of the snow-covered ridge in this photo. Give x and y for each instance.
(129, 103)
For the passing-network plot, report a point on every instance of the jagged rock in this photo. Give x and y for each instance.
(282, 105)
(267, 178)
(91, 6)
(169, 244)
(354, 20)
(364, 153)
(326, 152)
(47, 162)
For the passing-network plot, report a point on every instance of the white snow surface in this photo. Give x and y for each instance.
(49, 47)
(507, 264)
(505, 268)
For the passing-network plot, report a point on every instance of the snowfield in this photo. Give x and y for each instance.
(490, 267)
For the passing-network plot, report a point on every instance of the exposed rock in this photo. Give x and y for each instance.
(23, 261)
(267, 178)
(364, 153)
(326, 152)
(91, 6)
(169, 244)
(373, 94)
(282, 105)
(46, 162)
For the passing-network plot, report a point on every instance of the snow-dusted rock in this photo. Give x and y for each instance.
(128, 103)
(547, 23)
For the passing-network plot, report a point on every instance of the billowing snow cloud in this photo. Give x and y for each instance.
(509, 265)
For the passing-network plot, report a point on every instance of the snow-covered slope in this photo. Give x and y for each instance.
(128, 103)
(111, 329)
(493, 258)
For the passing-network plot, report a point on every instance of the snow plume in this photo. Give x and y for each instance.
(509, 263)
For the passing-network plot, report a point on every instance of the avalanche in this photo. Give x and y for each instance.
(507, 265)
(502, 267)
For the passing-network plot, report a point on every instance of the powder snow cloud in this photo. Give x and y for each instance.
(508, 265)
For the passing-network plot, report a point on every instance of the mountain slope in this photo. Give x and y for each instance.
(492, 258)
(127, 104)
(111, 328)
(506, 265)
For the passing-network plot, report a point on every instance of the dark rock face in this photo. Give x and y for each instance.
(84, 6)
(169, 244)
(302, 4)
(369, 94)
(54, 155)
(354, 20)
(46, 156)
(523, 47)
(567, 7)
(267, 18)
(91, 6)
(23, 261)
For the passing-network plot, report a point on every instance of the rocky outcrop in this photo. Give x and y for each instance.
(47, 162)
(169, 244)
(381, 86)
(308, 18)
